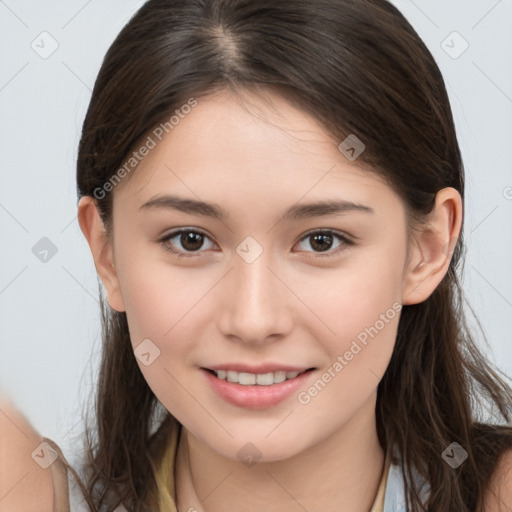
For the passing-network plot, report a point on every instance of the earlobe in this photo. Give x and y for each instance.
(94, 231)
(432, 247)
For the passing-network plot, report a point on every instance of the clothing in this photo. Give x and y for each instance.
(390, 495)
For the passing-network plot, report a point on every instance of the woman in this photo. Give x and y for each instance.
(273, 197)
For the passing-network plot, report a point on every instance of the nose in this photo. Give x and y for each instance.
(256, 304)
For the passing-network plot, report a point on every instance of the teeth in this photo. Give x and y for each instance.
(250, 379)
(265, 379)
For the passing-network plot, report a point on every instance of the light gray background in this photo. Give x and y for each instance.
(49, 314)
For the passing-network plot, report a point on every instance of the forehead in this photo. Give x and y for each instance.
(247, 147)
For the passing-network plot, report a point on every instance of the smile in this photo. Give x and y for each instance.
(256, 390)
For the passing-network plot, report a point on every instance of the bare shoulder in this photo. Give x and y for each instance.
(25, 483)
(499, 495)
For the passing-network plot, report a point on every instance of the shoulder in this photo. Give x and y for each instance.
(498, 497)
(25, 484)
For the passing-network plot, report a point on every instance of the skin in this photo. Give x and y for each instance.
(291, 305)
(24, 485)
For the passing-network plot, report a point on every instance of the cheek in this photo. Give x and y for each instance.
(364, 314)
(156, 293)
(159, 307)
(365, 294)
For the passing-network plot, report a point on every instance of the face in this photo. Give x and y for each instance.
(267, 286)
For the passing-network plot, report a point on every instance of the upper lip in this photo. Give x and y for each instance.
(259, 369)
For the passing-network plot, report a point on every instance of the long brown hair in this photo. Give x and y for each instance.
(359, 68)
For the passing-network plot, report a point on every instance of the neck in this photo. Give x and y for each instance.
(341, 473)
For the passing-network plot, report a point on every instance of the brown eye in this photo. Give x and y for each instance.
(322, 241)
(191, 241)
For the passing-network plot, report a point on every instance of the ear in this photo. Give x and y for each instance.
(101, 248)
(432, 246)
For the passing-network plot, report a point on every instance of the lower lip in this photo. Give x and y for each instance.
(255, 397)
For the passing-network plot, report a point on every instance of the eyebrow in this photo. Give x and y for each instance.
(294, 213)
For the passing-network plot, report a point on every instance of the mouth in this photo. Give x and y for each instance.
(257, 379)
(263, 387)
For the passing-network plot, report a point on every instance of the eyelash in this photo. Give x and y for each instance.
(342, 238)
